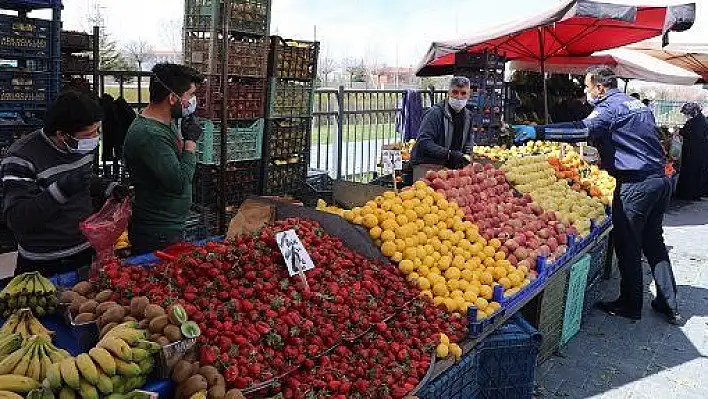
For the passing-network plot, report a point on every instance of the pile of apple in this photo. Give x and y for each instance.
(488, 201)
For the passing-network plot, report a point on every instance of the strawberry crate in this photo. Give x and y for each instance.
(247, 16)
(287, 138)
(246, 99)
(284, 179)
(24, 37)
(244, 142)
(293, 59)
(242, 179)
(247, 54)
(290, 98)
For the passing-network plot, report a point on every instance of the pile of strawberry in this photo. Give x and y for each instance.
(259, 324)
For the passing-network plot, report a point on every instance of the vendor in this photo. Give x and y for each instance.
(49, 187)
(625, 132)
(445, 139)
(694, 154)
(161, 158)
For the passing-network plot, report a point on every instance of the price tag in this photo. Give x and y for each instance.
(391, 160)
(296, 257)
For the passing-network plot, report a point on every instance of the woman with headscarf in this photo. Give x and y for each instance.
(694, 154)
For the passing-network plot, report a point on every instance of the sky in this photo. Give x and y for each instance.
(391, 32)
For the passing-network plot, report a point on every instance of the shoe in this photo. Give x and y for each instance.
(672, 316)
(618, 308)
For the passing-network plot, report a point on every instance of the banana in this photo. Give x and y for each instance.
(29, 289)
(34, 394)
(21, 328)
(49, 287)
(130, 335)
(116, 346)
(53, 379)
(46, 363)
(36, 328)
(10, 362)
(69, 373)
(151, 347)
(9, 395)
(104, 359)
(47, 394)
(17, 383)
(104, 384)
(15, 286)
(34, 370)
(128, 324)
(135, 382)
(55, 355)
(146, 365)
(67, 393)
(87, 368)
(87, 391)
(129, 369)
(10, 324)
(38, 287)
(138, 354)
(9, 344)
(118, 382)
(23, 364)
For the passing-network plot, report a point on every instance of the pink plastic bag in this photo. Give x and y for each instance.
(103, 228)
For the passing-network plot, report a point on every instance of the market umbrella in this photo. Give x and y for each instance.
(572, 28)
(693, 57)
(627, 64)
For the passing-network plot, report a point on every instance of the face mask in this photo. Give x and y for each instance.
(590, 98)
(456, 103)
(84, 146)
(191, 106)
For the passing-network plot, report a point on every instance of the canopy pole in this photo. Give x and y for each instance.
(543, 76)
(626, 85)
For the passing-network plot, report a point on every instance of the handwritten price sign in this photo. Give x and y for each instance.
(296, 257)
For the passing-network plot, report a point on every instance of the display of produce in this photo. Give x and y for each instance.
(259, 324)
(24, 324)
(34, 359)
(535, 176)
(502, 153)
(448, 258)
(29, 290)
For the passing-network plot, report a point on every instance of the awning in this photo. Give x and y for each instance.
(628, 64)
(572, 28)
(693, 57)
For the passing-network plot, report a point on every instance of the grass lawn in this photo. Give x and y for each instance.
(129, 93)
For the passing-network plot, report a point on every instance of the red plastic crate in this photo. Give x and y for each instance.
(246, 99)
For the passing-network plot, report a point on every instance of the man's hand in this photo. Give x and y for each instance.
(459, 159)
(74, 182)
(191, 130)
(118, 192)
(524, 133)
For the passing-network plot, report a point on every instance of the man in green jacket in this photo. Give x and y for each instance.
(161, 159)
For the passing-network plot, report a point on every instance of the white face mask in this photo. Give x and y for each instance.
(590, 98)
(456, 103)
(191, 106)
(84, 146)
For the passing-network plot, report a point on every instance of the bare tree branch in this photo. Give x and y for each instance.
(171, 34)
(325, 66)
(139, 52)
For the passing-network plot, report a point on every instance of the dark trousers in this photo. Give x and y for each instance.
(637, 218)
(143, 241)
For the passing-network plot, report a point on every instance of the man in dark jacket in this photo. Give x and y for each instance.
(445, 139)
(624, 131)
(48, 187)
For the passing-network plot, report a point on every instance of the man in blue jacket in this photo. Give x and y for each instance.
(625, 133)
(445, 139)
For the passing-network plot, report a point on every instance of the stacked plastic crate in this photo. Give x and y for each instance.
(29, 75)
(77, 60)
(204, 42)
(292, 68)
(487, 101)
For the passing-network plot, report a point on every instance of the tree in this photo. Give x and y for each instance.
(356, 70)
(326, 65)
(171, 34)
(110, 58)
(139, 52)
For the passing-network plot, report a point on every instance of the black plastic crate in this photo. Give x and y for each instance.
(28, 4)
(247, 16)
(76, 42)
(76, 64)
(246, 99)
(546, 312)
(242, 180)
(293, 59)
(285, 179)
(289, 98)
(319, 186)
(247, 54)
(287, 139)
(24, 37)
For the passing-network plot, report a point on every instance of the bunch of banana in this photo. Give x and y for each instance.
(119, 363)
(33, 359)
(29, 290)
(8, 344)
(25, 324)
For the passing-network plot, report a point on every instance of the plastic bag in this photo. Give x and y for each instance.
(103, 228)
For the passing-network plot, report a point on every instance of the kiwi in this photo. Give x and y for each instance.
(234, 394)
(102, 307)
(172, 332)
(68, 296)
(104, 296)
(162, 340)
(207, 371)
(76, 304)
(138, 305)
(144, 324)
(158, 324)
(181, 371)
(88, 307)
(153, 311)
(193, 385)
(84, 318)
(215, 379)
(83, 288)
(217, 392)
(113, 314)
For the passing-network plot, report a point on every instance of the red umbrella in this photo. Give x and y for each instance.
(573, 28)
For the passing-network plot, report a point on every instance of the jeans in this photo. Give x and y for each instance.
(143, 241)
(637, 217)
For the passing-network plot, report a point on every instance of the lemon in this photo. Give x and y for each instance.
(397, 257)
(426, 294)
(423, 270)
(450, 304)
(375, 232)
(486, 292)
(423, 283)
(388, 249)
(470, 296)
(481, 304)
(438, 300)
(440, 289)
(455, 351)
(442, 351)
(453, 273)
(406, 266)
(453, 284)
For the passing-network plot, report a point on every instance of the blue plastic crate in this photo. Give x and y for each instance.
(28, 4)
(476, 327)
(25, 37)
(530, 290)
(506, 364)
(460, 381)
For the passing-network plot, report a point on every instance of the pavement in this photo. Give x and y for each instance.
(615, 358)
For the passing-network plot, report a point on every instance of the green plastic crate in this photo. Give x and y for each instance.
(575, 296)
(244, 143)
